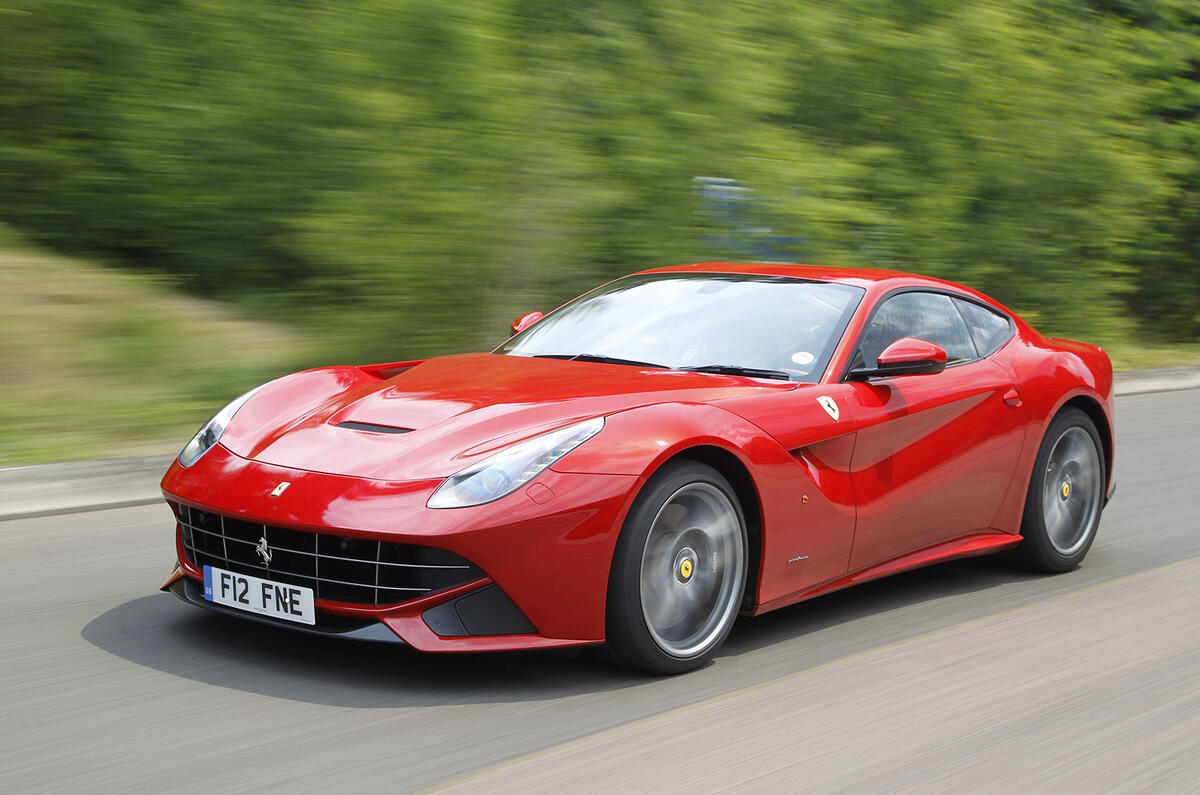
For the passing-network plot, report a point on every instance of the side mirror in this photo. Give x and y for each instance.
(525, 321)
(905, 356)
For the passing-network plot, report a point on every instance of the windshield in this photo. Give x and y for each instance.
(700, 320)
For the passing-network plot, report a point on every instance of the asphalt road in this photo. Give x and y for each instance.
(965, 675)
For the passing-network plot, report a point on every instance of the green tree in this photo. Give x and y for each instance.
(402, 178)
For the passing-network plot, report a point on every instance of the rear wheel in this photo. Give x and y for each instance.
(1066, 495)
(678, 571)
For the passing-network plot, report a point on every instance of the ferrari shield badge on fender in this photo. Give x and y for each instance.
(831, 408)
(282, 487)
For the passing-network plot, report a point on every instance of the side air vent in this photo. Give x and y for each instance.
(372, 427)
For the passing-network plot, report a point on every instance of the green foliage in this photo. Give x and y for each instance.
(402, 178)
(98, 363)
(1160, 49)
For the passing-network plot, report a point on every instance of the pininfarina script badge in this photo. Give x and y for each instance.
(831, 408)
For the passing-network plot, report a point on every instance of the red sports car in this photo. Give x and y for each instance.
(646, 462)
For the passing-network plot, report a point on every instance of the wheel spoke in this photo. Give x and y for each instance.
(666, 610)
(672, 515)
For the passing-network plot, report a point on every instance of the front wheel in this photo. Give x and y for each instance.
(1066, 495)
(678, 571)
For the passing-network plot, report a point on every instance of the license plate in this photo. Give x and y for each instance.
(256, 595)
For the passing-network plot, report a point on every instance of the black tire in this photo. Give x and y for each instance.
(1066, 495)
(679, 571)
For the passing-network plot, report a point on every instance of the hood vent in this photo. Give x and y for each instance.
(372, 427)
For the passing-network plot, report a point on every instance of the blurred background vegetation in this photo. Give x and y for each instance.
(198, 195)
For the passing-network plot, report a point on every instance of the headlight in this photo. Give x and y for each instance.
(211, 431)
(511, 468)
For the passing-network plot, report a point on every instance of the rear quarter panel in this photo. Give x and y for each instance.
(1050, 373)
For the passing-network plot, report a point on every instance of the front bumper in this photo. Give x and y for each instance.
(192, 592)
(545, 550)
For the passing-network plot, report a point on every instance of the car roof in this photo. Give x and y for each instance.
(876, 281)
(860, 277)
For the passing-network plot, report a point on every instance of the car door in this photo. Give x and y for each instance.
(934, 454)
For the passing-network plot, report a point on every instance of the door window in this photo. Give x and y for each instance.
(989, 330)
(927, 316)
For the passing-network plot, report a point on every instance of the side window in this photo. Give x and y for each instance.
(927, 316)
(989, 329)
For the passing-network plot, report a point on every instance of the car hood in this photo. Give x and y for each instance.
(441, 415)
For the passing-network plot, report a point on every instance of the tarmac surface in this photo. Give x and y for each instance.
(967, 675)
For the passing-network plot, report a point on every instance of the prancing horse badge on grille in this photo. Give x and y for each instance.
(281, 488)
(264, 554)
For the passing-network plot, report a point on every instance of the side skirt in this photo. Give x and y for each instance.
(965, 547)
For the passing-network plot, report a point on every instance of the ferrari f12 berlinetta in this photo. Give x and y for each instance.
(647, 462)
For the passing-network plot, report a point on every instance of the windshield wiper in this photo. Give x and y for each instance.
(595, 357)
(723, 369)
(735, 369)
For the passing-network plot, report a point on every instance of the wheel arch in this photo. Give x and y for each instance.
(1039, 550)
(1095, 412)
(736, 472)
(644, 440)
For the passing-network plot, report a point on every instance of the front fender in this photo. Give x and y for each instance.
(638, 441)
(804, 496)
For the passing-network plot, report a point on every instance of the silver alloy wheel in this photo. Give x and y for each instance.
(693, 569)
(1071, 490)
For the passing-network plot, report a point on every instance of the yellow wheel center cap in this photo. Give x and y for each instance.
(1066, 490)
(685, 569)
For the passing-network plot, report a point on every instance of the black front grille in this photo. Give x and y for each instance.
(337, 568)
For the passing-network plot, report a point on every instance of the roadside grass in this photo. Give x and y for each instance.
(100, 363)
(1130, 355)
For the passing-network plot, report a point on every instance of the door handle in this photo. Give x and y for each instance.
(1012, 397)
